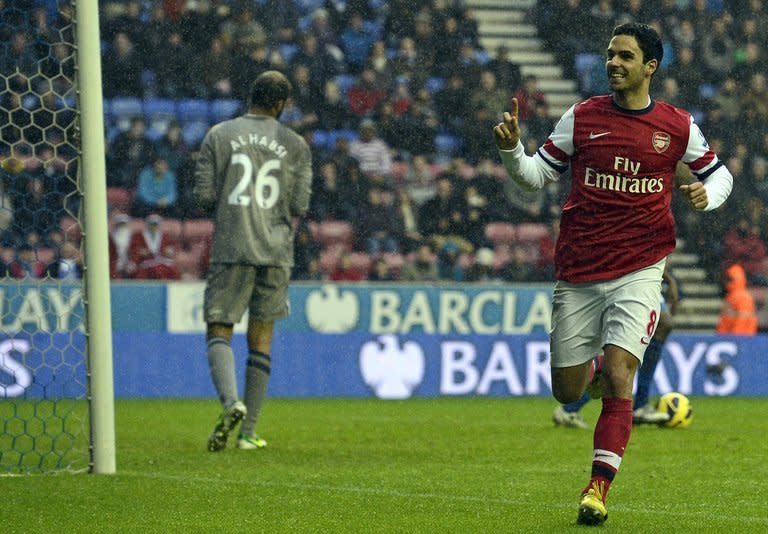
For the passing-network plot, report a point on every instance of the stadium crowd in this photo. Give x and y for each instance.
(396, 99)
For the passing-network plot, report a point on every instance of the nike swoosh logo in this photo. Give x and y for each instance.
(644, 340)
(593, 135)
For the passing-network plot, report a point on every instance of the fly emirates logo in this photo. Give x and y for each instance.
(624, 178)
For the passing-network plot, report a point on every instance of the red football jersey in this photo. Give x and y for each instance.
(617, 217)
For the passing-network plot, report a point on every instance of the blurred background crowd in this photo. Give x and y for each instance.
(397, 100)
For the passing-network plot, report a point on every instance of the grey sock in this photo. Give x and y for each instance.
(221, 362)
(256, 380)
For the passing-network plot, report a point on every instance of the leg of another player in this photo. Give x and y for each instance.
(221, 362)
(644, 413)
(612, 431)
(258, 369)
(568, 415)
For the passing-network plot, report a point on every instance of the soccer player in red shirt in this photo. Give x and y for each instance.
(616, 231)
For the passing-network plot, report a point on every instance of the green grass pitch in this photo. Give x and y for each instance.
(459, 465)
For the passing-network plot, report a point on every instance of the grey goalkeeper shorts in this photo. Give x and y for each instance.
(232, 288)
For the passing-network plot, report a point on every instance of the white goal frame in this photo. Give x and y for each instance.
(96, 275)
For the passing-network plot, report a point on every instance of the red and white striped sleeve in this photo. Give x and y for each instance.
(706, 166)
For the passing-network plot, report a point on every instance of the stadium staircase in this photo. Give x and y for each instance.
(508, 22)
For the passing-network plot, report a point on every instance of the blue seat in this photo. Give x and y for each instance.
(124, 107)
(320, 139)
(154, 106)
(345, 82)
(434, 84)
(447, 145)
(224, 108)
(193, 132)
(193, 109)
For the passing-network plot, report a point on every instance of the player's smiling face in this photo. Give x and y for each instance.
(624, 64)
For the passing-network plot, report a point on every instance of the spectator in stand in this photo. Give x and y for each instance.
(216, 69)
(157, 191)
(122, 68)
(467, 64)
(26, 264)
(356, 42)
(527, 96)
(326, 201)
(411, 236)
(345, 271)
(365, 95)
(323, 30)
(688, 73)
(506, 71)
(199, 25)
(37, 208)
(452, 103)
(483, 270)
(306, 251)
(332, 110)
(477, 147)
(379, 61)
(322, 66)
(447, 46)
(717, 50)
(371, 151)
(302, 95)
(67, 264)
(518, 268)
(737, 315)
(153, 252)
(442, 218)
(242, 31)
(171, 147)
(411, 64)
(401, 17)
(488, 95)
(128, 22)
(380, 229)
(130, 152)
(422, 267)
(120, 263)
(540, 125)
(154, 35)
(448, 266)
(728, 101)
(419, 181)
(250, 62)
(745, 246)
(756, 95)
(381, 272)
(418, 128)
(476, 217)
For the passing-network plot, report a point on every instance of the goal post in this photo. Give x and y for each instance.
(96, 273)
(56, 375)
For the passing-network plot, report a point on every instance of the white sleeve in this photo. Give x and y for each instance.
(530, 173)
(706, 166)
(718, 186)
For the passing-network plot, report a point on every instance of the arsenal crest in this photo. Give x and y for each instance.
(661, 141)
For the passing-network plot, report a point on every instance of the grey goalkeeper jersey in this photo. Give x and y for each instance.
(257, 174)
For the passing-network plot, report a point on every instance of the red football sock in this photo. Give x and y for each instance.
(611, 437)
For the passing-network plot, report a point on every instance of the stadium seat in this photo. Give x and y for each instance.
(125, 107)
(434, 84)
(336, 232)
(320, 139)
(159, 112)
(447, 145)
(193, 109)
(223, 109)
(531, 231)
(172, 228)
(345, 82)
(194, 132)
(119, 199)
(196, 231)
(500, 233)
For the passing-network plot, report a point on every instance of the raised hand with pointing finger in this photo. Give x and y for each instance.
(507, 133)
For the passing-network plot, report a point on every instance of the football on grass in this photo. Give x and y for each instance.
(679, 409)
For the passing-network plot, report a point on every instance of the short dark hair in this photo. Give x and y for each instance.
(647, 39)
(269, 88)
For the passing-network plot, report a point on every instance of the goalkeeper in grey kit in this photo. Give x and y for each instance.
(256, 174)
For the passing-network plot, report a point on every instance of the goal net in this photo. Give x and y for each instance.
(44, 368)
